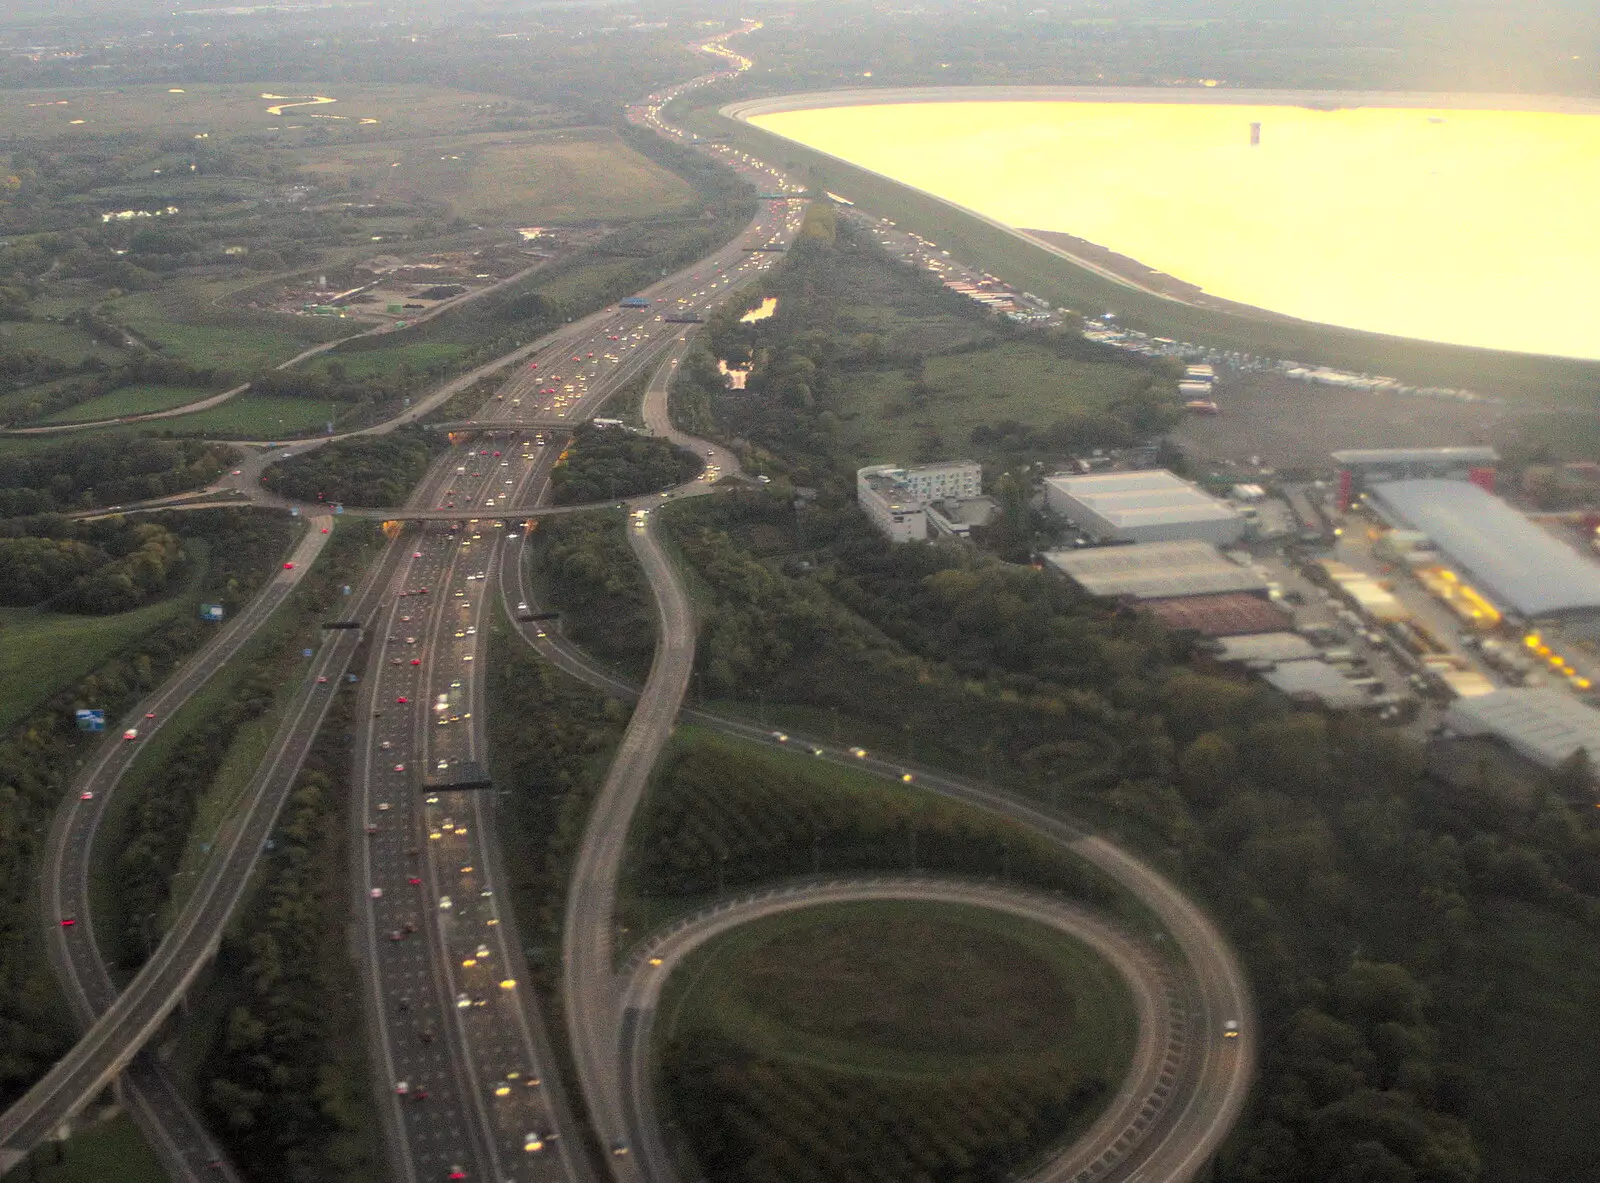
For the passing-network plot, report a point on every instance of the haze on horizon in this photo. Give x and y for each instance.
(1462, 226)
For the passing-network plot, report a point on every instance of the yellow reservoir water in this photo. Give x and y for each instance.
(1464, 226)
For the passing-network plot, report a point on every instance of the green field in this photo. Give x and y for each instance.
(530, 178)
(236, 109)
(383, 363)
(249, 416)
(888, 1041)
(112, 1149)
(971, 240)
(1017, 380)
(185, 334)
(67, 342)
(45, 652)
(901, 989)
(130, 400)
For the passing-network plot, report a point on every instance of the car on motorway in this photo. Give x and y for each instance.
(131, 733)
(288, 566)
(456, 1173)
(149, 714)
(401, 700)
(532, 1141)
(68, 921)
(859, 753)
(780, 737)
(1230, 1029)
(416, 661)
(445, 903)
(619, 1148)
(322, 679)
(907, 777)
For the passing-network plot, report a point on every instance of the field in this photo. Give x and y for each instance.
(1017, 381)
(204, 335)
(1535, 380)
(113, 1149)
(67, 342)
(907, 989)
(45, 652)
(130, 400)
(890, 1041)
(525, 178)
(371, 112)
(248, 416)
(370, 363)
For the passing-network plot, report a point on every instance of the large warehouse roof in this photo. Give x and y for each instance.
(1148, 497)
(1358, 457)
(1516, 564)
(1154, 570)
(1546, 726)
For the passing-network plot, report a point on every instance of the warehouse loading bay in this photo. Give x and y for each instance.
(1388, 619)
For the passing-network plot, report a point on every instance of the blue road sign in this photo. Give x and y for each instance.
(211, 612)
(91, 720)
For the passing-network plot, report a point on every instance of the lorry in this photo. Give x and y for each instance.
(633, 302)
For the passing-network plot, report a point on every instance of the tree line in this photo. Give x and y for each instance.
(99, 568)
(106, 469)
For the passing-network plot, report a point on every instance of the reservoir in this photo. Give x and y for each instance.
(1456, 224)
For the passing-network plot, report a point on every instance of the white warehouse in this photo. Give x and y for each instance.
(1148, 506)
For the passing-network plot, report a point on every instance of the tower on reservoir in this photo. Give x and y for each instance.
(1255, 135)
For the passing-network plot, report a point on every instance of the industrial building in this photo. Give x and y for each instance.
(1228, 614)
(1520, 568)
(1545, 726)
(1361, 469)
(1155, 571)
(898, 499)
(1147, 506)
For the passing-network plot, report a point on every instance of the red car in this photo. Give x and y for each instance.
(416, 661)
(68, 922)
(288, 566)
(401, 700)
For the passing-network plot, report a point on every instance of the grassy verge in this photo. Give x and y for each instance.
(45, 652)
(726, 814)
(130, 400)
(551, 740)
(278, 1063)
(113, 1149)
(973, 241)
(184, 786)
(250, 416)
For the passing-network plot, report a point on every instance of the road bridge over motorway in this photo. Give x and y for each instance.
(506, 426)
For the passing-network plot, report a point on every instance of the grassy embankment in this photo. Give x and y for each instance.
(130, 400)
(188, 778)
(1536, 380)
(915, 1025)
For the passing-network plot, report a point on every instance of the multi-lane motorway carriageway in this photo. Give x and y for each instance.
(622, 343)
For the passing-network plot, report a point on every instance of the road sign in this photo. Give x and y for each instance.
(93, 719)
(211, 612)
(305, 653)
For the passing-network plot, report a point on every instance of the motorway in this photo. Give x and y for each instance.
(444, 979)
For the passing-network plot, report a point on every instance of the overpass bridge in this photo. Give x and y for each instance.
(538, 423)
(474, 513)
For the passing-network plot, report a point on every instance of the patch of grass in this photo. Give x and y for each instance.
(382, 363)
(902, 988)
(130, 400)
(889, 1041)
(184, 326)
(1021, 381)
(112, 1149)
(250, 416)
(67, 342)
(42, 653)
(570, 175)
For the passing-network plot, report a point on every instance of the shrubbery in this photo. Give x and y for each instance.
(606, 463)
(368, 470)
(106, 469)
